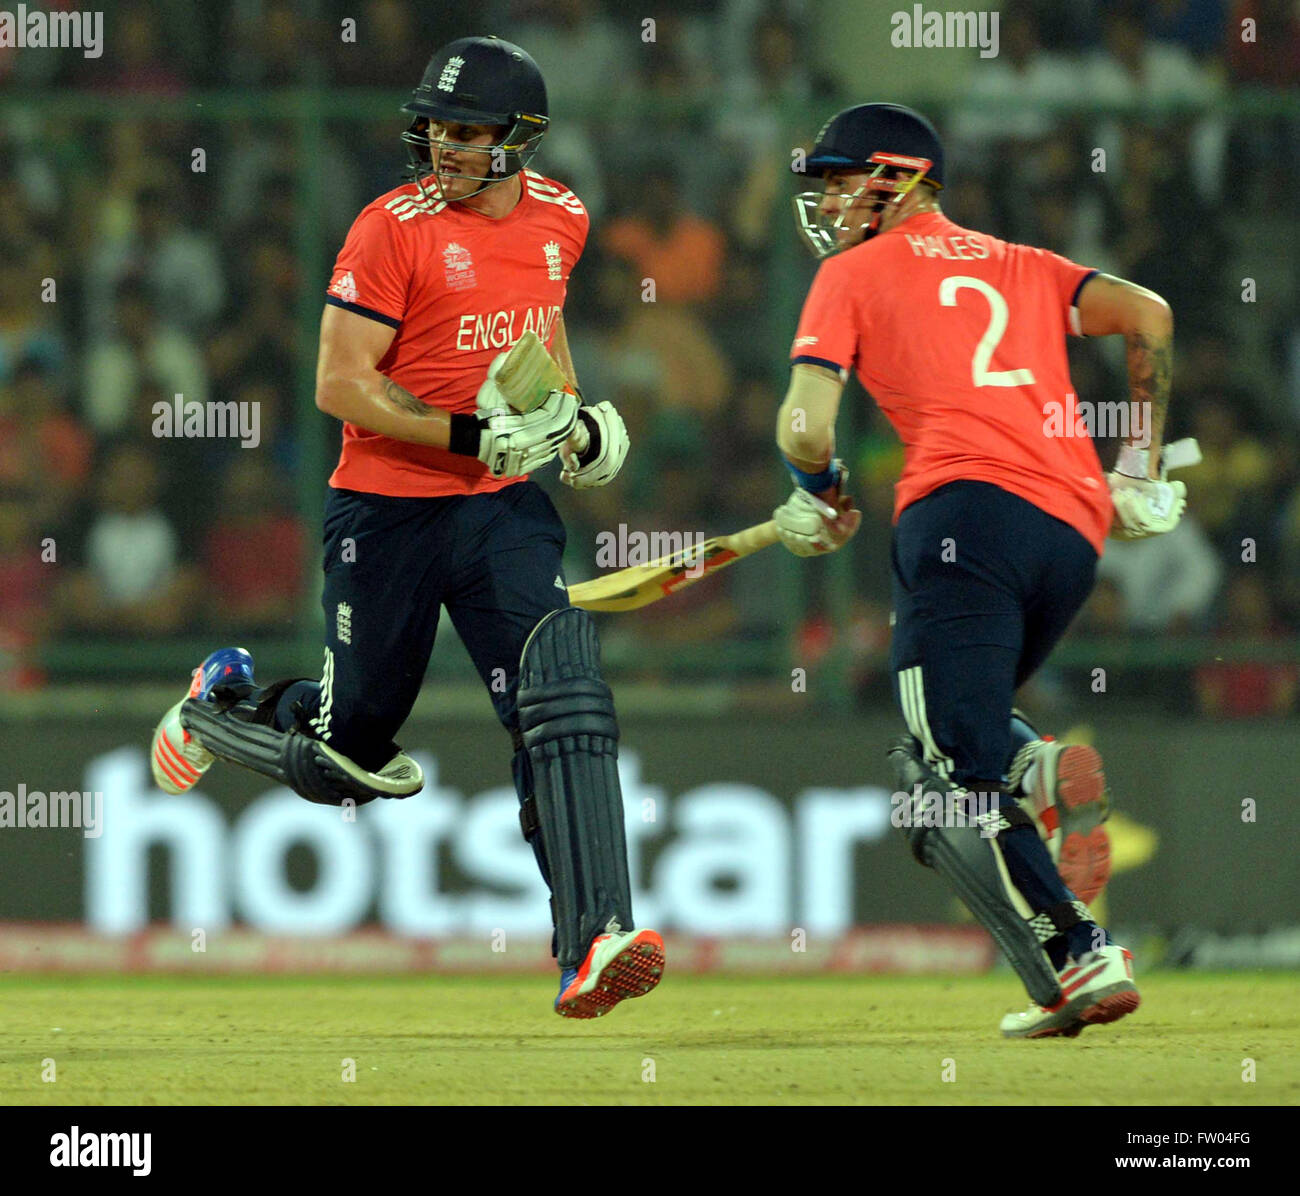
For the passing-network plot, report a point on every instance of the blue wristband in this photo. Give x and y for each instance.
(814, 483)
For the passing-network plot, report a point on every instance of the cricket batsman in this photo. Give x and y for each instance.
(999, 523)
(431, 506)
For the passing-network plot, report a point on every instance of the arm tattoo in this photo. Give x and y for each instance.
(1150, 372)
(404, 400)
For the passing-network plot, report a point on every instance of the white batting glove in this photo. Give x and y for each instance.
(511, 444)
(606, 450)
(1145, 506)
(809, 527)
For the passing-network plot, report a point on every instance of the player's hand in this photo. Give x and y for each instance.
(606, 449)
(810, 527)
(511, 444)
(1146, 506)
(490, 398)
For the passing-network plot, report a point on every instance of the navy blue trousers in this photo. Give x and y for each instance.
(984, 585)
(493, 560)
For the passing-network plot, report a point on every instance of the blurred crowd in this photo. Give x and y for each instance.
(127, 277)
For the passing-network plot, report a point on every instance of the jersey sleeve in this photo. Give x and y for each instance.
(581, 232)
(830, 327)
(372, 272)
(1067, 279)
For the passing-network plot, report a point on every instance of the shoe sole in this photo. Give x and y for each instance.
(1108, 1005)
(1082, 808)
(633, 972)
(1114, 1003)
(172, 772)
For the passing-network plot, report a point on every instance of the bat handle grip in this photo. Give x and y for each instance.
(751, 539)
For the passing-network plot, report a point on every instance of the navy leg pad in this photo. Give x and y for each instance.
(964, 856)
(568, 728)
(312, 769)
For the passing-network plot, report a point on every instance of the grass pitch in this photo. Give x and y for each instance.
(697, 1040)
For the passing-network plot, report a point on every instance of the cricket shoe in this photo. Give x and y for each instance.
(618, 966)
(1069, 803)
(177, 758)
(1095, 989)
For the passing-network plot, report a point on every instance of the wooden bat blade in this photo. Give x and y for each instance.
(641, 585)
(528, 374)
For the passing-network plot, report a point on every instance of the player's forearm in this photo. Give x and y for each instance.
(1110, 306)
(560, 351)
(1150, 375)
(810, 447)
(805, 425)
(376, 403)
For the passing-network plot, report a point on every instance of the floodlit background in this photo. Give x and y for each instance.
(169, 213)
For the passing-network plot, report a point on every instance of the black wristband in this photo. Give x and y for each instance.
(465, 435)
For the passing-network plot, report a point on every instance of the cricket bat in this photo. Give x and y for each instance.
(641, 585)
(528, 374)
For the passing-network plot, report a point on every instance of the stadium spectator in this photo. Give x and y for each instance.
(42, 447)
(1168, 583)
(143, 57)
(133, 582)
(757, 126)
(179, 265)
(26, 583)
(1130, 65)
(1233, 482)
(1196, 25)
(1267, 53)
(563, 33)
(681, 253)
(387, 45)
(1255, 687)
(253, 555)
(261, 333)
(141, 349)
(29, 327)
(1012, 99)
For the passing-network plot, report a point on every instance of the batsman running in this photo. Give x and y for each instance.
(1000, 517)
(430, 506)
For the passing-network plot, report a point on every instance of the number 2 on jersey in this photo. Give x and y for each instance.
(981, 375)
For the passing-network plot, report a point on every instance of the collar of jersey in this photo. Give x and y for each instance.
(525, 198)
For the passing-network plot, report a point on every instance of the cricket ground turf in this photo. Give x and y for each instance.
(1198, 1039)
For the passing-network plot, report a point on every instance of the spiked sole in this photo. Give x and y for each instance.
(1120, 1002)
(1107, 1005)
(633, 972)
(1082, 808)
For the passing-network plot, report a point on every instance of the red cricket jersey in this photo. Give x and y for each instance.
(960, 339)
(459, 288)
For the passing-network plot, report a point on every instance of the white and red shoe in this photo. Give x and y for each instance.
(1095, 989)
(617, 967)
(178, 760)
(1068, 801)
(176, 757)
